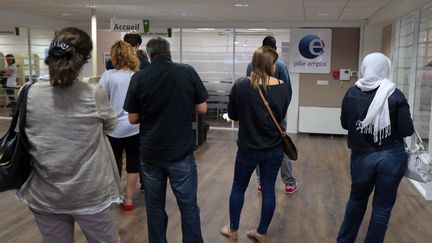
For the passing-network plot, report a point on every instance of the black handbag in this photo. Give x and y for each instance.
(15, 164)
(288, 145)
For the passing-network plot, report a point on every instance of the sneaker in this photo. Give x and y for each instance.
(128, 205)
(259, 189)
(291, 188)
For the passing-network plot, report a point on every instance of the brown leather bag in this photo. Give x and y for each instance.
(288, 146)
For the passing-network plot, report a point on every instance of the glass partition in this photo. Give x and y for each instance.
(174, 41)
(248, 40)
(15, 43)
(404, 50)
(423, 82)
(210, 52)
(40, 42)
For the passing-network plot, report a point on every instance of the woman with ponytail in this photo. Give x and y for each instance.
(259, 142)
(74, 177)
(377, 117)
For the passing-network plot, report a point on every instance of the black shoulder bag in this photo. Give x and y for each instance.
(288, 146)
(15, 164)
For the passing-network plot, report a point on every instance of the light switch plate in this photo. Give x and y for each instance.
(345, 74)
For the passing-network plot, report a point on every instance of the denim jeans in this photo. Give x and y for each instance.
(383, 172)
(183, 178)
(269, 162)
(285, 172)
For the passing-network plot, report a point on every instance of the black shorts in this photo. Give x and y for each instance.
(131, 145)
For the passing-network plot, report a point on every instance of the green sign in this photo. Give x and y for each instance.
(169, 31)
(146, 24)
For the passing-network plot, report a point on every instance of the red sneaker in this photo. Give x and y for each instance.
(291, 188)
(128, 207)
(259, 189)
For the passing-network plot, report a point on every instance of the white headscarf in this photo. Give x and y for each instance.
(376, 69)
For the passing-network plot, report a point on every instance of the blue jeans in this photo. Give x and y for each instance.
(269, 162)
(183, 178)
(383, 171)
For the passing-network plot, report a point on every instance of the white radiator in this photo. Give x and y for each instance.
(320, 120)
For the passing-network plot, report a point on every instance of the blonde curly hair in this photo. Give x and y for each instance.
(123, 55)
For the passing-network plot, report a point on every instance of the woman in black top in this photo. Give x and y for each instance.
(259, 142)
(376, 115)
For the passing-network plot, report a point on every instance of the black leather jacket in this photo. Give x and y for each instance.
(355, 105)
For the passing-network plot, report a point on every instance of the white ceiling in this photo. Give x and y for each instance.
(204, 11)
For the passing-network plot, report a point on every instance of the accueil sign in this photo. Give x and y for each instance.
(310, 50)
(125, 25)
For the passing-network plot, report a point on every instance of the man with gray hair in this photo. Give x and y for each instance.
(162, 98)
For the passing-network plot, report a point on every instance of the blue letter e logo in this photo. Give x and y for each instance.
(311, 46)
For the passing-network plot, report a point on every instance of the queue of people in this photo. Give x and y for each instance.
(78, 133)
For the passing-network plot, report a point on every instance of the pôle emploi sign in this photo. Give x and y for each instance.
(126, 25)
(310, 50)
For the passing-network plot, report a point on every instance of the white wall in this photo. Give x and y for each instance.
(370, 40)
(292, 114)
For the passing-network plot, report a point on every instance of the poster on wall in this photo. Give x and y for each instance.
(310, 51)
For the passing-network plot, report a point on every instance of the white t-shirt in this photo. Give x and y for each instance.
(116, 83)
(11, 80)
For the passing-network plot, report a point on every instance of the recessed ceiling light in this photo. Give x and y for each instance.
(322, 14)
(65, 14)
(257, 29)
(205, 29)
(241, 5)
(186, 14)
(91, 5)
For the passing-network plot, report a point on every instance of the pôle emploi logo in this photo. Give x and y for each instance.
(311, 47)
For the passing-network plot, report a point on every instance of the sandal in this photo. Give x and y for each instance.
(128, 205)
(226, 231)
(254, 235)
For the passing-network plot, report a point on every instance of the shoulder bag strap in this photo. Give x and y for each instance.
(16, 117)
(22, 105)
(271, 113)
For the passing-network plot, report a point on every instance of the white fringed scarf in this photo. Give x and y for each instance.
(376, 70)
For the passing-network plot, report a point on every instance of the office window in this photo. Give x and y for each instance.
(40, 42)
(14, 43)
(174, 41)
(210, 52)
(402, 64)
(248, 40)
(423, 81)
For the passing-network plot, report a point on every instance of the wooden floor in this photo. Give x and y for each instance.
(313, 214)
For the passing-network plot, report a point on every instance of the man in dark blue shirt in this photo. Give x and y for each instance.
(162, 98)
(282, 74)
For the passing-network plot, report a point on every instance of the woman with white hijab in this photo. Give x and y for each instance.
(376, 115)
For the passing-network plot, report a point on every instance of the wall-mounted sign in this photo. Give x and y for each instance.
(146, 24)
(310, 51)
(126, 25)
(9, 31)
